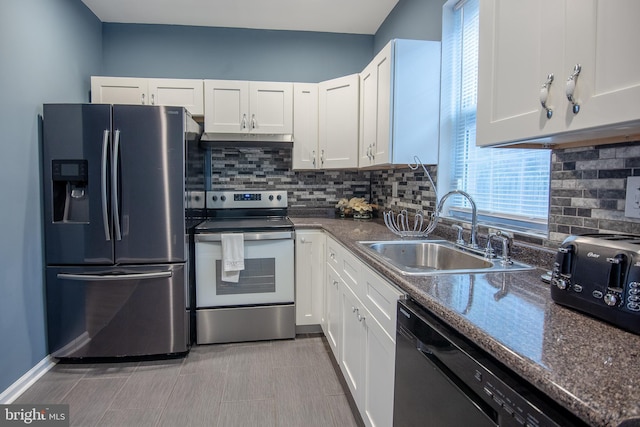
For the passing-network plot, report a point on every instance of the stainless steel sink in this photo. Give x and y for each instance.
(430, 257)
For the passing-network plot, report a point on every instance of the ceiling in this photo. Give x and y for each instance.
(334, 16)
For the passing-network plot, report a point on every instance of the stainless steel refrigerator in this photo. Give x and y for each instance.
(115, 241)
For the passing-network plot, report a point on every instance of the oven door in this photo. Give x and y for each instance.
(268, 277)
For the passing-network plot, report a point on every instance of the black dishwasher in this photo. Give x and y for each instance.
(444, 380)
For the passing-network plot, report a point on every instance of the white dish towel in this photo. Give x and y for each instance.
(232, 256)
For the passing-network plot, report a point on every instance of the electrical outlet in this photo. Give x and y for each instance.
(394, 189)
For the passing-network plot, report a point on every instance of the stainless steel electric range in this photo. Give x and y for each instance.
(258, 304)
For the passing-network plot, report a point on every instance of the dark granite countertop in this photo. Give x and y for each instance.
(589, 367)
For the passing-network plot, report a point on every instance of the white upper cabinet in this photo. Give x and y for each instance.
(530, 52)
(186, 93)
(400, 104)
(305, 126)
(338, 122)
(242, 107)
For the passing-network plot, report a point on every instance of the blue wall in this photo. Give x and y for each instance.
(47, 50)
(229, 53)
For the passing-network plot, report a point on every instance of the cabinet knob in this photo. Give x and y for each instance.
(303, 240)
(544, 95)
(360, 317)
(571, 88)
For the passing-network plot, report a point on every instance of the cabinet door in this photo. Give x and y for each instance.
(338, 122)
(375, 110)
(309, 277)
(333, 313)
(368, 114)
(601, 36)
(305, 126)
(379, 365)
(188, 93)
(226, 106)
(271, 108)
(381, 149)
(520, 44)
(119, 90)
(353, 343)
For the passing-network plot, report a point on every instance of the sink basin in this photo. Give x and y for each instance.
(429, 257)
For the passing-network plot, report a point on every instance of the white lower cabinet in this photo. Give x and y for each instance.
(379, 375)
(353, 343)
(360, 318)
(332, 315)
(309, 277)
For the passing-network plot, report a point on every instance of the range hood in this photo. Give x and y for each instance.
(246, 140)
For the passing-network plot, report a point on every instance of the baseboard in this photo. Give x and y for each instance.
(27, 380)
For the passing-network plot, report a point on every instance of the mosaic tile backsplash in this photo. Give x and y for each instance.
(588, 185)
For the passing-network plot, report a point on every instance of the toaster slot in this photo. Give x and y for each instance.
(565, 260)
(617, 272)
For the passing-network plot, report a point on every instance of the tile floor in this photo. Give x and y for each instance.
(273, 383)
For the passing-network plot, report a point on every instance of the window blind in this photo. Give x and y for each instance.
(506, 184)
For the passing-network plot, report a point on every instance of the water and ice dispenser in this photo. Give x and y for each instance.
(70, 198)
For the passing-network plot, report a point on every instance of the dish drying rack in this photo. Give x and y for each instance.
(423, 225)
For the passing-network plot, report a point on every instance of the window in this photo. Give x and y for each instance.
(509, 185)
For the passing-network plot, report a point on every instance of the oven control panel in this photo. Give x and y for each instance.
(246, 199)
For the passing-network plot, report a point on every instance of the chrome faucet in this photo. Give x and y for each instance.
(474, 214)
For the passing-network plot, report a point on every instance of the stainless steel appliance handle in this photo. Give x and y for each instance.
(270, 235)
(112, 277)
(114, 185)
(105, 214)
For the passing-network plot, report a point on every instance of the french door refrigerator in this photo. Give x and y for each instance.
(115, 243)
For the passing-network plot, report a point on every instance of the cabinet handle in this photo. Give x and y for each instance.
(153, 99)
(544, 95)
(369, 152)
(302, 240)
(571, 87)
(332, 256)
(243, 124)
(322, 158)
(253, 121)
(142, 100)
(313, 154)
(335, 283)
(353, 309)
(360, 317)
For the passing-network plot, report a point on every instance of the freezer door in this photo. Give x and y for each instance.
(116, 312)
(75, 172)
(149, 174)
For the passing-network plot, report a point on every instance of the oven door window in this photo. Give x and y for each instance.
(258, 277)
(268, 277)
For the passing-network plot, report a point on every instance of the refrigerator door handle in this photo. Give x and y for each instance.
(105, 214)
(112, 277)
(114, 185)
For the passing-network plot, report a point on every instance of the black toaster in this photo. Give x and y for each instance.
(599, 274)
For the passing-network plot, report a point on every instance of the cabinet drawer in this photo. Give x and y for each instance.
(380, 298)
